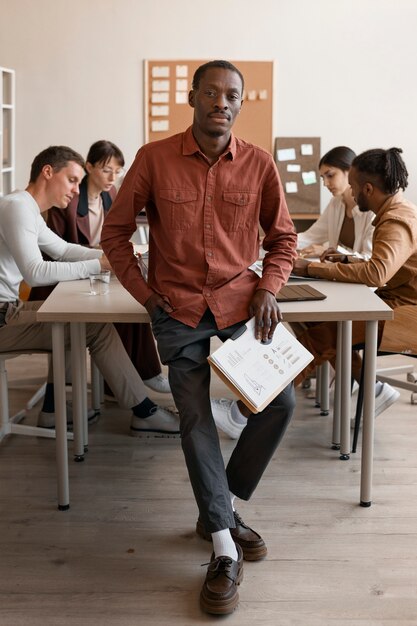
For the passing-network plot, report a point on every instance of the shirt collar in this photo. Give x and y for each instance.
(190, 146)
(395, 199)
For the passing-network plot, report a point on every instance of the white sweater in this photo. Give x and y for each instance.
(23, 236)
(328, 226)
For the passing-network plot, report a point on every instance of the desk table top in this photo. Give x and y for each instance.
(71, 301)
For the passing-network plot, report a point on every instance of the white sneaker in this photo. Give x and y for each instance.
(222, 415)
(162, 423)
(47, 420)
(158, 383)
(385, 398)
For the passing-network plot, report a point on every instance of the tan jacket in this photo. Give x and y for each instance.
(392, 267)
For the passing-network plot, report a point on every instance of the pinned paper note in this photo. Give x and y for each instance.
(263, 94)
(159, 126)
(181, 84)
(160, 97)
(291, 187)
(181, 97)
(181, 71)
(286, 154)
(160, 110)
(251, 94)
(293, 167)
(160, 85)
(160, 71)
(309, 178)
(306, 149)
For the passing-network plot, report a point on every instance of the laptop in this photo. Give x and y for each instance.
(291, 293)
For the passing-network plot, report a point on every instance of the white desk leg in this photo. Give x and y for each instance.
(345, 391)
(77, 391)
(83, 376)
(371, 342)
(337, 390)
(58, 359)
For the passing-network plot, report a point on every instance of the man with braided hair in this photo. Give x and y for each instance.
(378, 178)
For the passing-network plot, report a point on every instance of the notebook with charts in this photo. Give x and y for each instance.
(292, 293)
(258, 372)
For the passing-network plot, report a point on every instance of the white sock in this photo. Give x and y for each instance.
(223, 544)
(232, 500)
(237, 416)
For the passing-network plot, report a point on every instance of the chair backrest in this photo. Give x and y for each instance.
(400, 334)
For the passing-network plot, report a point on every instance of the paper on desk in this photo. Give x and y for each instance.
(257, 371)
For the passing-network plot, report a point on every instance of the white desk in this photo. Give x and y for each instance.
(346, 302)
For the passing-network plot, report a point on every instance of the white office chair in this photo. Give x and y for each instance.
(399, 337)
(9, 424)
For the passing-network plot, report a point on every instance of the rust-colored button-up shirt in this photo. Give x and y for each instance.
(204, 227)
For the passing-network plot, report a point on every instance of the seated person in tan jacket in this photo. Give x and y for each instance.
(377, 178)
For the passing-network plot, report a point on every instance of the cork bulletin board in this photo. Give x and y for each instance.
(297, 159)
(167, 111)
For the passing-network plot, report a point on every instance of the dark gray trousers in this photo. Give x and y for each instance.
(185, 351)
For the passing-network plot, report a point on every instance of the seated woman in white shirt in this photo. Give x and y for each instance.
(341, 227)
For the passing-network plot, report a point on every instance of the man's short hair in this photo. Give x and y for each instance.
(225, 65)
(55, 156)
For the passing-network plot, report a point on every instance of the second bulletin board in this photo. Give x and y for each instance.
(297, 161)
(167, 111)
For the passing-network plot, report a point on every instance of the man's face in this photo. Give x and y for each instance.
(357, 191)
(217, 101)
(64, 184)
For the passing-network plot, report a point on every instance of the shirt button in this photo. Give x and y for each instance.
(209, 253)
(208, 226)
(209, 198)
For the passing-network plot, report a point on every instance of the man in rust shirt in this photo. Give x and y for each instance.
(206, 193)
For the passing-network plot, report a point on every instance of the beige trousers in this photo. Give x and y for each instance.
(21, 331)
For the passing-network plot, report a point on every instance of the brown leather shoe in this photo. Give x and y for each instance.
(252, 544)
(219, 594)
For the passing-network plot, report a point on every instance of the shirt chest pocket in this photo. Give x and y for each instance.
(238, 210)
(180, 205)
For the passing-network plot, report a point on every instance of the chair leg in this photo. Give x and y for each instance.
(359, 406)
(324, 388)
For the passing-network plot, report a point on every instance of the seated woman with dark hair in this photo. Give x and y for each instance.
(341, 226)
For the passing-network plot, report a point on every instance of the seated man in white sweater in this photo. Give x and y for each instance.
(55, 176)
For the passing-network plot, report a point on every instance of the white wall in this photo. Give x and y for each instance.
(345, 69)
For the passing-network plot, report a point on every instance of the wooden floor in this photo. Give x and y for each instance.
(126, 553)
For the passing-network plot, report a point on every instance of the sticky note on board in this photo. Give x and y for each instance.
(181, 97)
(293, 167)
(159, 126)
(160, 110)
(309, 178)
(306, 149)
(181, 84)
(181, 71)
(160, 85)
(160, 71)
(291, 187)
(159, 96)
(286, 154)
